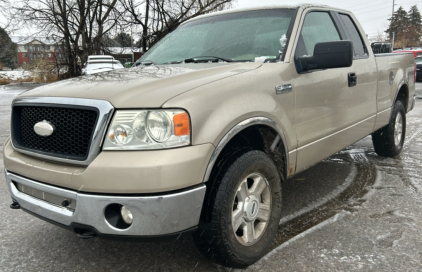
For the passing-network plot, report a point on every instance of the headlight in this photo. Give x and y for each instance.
(159, 126)
(148, 129)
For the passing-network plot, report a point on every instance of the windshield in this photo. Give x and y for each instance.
(241, 36)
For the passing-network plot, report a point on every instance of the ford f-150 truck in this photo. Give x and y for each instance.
(200, 135)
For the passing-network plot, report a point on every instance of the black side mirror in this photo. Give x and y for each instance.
(329, 55)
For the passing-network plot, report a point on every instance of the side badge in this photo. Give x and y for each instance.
(281, 89)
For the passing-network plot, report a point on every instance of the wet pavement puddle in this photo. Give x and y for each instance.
(360, 180)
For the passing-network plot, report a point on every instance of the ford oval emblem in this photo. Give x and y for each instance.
(44, 128)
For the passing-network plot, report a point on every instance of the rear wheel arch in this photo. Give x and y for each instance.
(389, 140)
(402, 95)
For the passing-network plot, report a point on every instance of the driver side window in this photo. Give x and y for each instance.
(317, 27)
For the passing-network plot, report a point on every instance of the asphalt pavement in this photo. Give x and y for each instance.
(355, 211)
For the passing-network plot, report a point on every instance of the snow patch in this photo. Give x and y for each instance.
(413, 136)
(321, 225)
(376, 184)
(283, 41)
(14, 75)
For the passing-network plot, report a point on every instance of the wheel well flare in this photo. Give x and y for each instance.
(256, 137)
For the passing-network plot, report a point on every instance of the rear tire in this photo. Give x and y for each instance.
(241, 211)
(388, 141)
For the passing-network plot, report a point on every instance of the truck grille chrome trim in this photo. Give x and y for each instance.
(62, 152)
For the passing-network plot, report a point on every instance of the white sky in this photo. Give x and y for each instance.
(372, 14)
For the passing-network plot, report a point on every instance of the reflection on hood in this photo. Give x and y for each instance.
(142, 86)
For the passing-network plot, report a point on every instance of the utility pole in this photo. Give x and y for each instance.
(392, 13)
(394, 34)
(392, 45)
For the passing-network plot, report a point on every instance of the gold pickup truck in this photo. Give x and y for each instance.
(199, 136)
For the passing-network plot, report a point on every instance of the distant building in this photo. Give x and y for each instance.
(125, 54)
(30, 48)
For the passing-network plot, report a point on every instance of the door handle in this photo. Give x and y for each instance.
(353, 79)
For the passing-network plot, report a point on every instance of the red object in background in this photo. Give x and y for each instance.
(23, 57)
(416, 52)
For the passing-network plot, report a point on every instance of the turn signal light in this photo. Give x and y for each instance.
(181, 124)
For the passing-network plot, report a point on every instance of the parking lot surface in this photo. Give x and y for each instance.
(353, 211)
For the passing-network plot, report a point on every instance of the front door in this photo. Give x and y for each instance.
(323, 97)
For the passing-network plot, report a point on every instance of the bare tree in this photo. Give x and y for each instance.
(7, 14)
(78, 25)
(159, 17)
(81, 27)
(380, 37)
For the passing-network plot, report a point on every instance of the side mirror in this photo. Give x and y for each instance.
(329, 55)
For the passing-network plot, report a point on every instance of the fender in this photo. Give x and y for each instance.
(235, 130)
(402, 83)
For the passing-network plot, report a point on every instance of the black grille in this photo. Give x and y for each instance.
(73, 130)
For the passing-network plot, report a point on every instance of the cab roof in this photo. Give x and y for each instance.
(228, 11)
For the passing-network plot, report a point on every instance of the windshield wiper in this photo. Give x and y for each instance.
(206, 58)
(173, 62)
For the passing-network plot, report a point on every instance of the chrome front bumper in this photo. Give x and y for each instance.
(152, 215)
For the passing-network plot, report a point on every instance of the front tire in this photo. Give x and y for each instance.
(388, 141)
(241, 212)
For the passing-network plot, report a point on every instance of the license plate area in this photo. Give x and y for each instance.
(46, 196)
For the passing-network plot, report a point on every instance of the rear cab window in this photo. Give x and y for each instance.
(359, 48)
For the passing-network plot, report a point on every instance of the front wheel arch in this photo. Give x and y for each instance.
(258, 133)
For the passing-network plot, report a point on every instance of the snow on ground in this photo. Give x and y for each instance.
(14, 75)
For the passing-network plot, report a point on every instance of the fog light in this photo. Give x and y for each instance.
(126, 215)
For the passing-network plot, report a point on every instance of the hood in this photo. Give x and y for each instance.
(142, 87)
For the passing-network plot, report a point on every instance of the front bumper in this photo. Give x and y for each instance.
(152, 215)
(118, 172)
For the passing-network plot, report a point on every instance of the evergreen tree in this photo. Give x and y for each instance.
(8, 50)
(109, 42)
(407, 27)
(415, 25)
(123, 39)
(399, 24)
